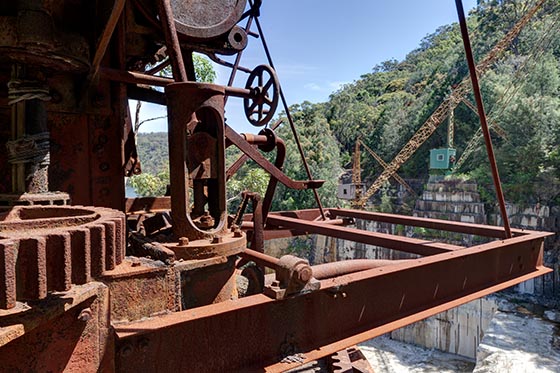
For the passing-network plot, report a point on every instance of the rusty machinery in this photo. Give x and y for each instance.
(107, 284)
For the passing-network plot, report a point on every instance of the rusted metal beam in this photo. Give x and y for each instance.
(482, 116)
(147, 204)
(405, 244)
(450, 226)
(132, 77)
(345, 311)
(106, 36)
(254, 154)
(172, 40)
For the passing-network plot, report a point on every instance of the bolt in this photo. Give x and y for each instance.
(85, 315)
(135, 263)
(183, 241)
(217, 240)
(275, 283)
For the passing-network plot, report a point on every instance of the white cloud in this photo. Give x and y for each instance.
(313, 87)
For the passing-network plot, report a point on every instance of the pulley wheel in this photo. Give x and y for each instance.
(261, 106)
(203, 19)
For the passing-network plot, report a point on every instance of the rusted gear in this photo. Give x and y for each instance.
(49, 248)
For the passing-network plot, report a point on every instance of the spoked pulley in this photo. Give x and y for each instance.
(265, 90)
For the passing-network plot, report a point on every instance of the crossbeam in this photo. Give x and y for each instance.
(405, 244)
(256, 333)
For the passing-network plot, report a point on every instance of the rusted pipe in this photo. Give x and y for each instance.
(238, 140)
(482, 116)
(255, 139)
(260, 259)
(334, 269)
(327, 270)
(257, 239)
(248, 225)
(244, 157)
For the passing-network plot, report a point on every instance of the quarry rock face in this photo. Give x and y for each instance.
(452, 199)
(518, 343)
(457, 331)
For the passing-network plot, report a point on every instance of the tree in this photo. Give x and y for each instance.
(323, 156)
(147, 185)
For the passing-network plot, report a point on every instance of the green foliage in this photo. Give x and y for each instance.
(322, 153)
(387, 106)
(203, 69)
(147, 185)
(153, 151)
(249, 178)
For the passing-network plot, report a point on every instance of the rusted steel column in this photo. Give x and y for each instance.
(172, 41)
(482, 115)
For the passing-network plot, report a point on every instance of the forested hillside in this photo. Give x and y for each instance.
(521, 94)
(387, 106)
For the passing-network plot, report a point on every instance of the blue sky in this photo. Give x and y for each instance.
(319, 45)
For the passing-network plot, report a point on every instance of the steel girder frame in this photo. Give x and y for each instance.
(258, 333)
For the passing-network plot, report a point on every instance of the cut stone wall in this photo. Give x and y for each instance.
(457, 331)
(454, 200)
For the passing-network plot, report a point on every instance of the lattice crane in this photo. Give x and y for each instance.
(438, 116)
(356, 177)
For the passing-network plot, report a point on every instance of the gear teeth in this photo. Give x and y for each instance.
(8, 255)
(81, 256)
(57, 256)
(120, 239)
(32, 269)
(59, 262)
(110, 245)
(97, 239)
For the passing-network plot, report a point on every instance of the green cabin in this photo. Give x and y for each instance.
(442, 159)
